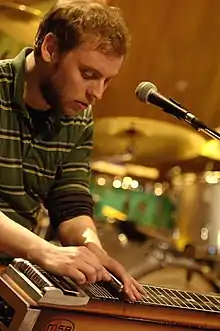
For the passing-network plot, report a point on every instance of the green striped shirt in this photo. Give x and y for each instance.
(32, 169)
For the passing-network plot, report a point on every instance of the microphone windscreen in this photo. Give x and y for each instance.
(144, 89)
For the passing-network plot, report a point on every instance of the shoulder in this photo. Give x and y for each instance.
(6, 69)
(6, 75)
(6, 81)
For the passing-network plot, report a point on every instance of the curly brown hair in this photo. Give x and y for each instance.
(74, 22)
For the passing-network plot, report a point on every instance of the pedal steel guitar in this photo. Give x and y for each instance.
(32, 299)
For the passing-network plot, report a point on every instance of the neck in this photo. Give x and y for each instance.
(32, 94)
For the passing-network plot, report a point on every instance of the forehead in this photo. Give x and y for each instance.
(87, 56)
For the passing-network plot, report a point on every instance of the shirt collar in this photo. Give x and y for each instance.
(18, 64)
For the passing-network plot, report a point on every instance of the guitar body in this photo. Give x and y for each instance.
(77, 320)
(31, 301)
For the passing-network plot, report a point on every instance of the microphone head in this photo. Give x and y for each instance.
(143, 91)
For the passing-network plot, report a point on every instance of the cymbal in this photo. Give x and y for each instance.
(19, 21)
(20, 18)
(128, 169)
(197, 165)
(150, 141)
(212, 150)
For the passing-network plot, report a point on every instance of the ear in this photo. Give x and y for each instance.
(49, 48)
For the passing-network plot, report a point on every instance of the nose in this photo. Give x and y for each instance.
(96, 89)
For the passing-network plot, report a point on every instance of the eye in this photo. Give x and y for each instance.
(87, 74)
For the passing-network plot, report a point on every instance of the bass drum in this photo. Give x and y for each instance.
(198, 214)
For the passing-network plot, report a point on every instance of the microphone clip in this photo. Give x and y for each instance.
(179, 105)
(189, 118)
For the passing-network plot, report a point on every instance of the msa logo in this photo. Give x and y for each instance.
(60, 325)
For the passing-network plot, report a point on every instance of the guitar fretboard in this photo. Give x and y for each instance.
(181, 299)
(160, 296)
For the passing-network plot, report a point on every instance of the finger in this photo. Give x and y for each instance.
(100, 275)
(128, 289)
(96, 264)
(89, 254)
(129, 293)
(84, 254)
(93, 261)
(77, 276)
(132, 292)
(89, 272)
(133, 289)
(128, 282)
(138, 286)
(116, 268)
(119, 271)
(136, 293)
(106, 277)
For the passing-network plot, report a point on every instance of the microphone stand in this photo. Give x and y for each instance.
(194, 121)
(209, 132)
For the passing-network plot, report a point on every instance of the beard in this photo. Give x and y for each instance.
(50, 93)
(52, 90)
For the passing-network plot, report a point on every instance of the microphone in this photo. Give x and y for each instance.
(147, 92)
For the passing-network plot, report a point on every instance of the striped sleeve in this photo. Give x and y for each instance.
(70, 195)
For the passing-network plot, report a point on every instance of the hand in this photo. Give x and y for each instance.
(78, 263)
(132, 288)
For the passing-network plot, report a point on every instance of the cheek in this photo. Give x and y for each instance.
(61, 85)
(71, 83)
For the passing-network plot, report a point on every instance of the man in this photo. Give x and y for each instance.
(46, 138)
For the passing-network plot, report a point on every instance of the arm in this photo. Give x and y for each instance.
(13, 236)
(69, 203)
(80, 231)
(78, 263)
(70, 209)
